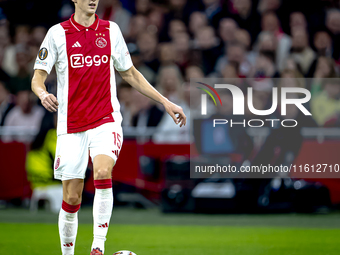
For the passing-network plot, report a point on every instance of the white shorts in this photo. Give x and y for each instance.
(72, 153)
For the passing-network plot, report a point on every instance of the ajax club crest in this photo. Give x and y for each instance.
(100, 41)
(57, 163)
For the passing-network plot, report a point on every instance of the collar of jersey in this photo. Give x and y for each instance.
(79, 27)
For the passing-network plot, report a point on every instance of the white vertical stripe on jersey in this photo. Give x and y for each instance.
(114, 101)
(63, 82)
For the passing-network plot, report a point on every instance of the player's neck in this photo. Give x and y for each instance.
(84, 19)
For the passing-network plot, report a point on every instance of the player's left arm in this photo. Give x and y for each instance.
(137, 80)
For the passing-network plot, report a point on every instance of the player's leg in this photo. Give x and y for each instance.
(68, 216)
(105, 145)
(103, 201)
(70, 166)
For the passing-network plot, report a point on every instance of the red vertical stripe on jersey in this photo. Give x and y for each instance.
(89, 92)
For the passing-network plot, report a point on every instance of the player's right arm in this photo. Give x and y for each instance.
(49, 101)
(45, 60)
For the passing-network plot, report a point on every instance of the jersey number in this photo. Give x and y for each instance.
(117, 140)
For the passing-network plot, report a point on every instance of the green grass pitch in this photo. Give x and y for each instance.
(179, 234)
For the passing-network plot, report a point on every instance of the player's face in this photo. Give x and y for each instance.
(86, 6)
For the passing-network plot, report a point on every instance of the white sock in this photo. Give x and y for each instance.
(68, 226)
(102, 210)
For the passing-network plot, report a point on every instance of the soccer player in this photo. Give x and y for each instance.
(85, 50)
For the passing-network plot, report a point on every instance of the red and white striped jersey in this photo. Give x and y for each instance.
(84, 59)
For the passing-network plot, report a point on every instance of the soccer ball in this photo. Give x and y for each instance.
(124, 253)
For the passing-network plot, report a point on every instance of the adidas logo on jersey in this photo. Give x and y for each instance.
(77, 44)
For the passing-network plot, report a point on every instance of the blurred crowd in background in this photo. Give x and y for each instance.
(171, 42)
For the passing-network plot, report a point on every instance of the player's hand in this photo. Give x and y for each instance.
(173, 110)
(49, 101)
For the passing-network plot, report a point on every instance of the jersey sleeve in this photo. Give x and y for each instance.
(47, 55)
(121, 56)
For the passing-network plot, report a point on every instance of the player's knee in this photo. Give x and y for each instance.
(103, 173)
(73, 199)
